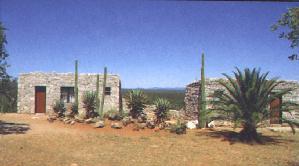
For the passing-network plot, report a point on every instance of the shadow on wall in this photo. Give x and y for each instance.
(13, 128)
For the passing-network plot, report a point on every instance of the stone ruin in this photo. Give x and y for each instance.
(60, 86)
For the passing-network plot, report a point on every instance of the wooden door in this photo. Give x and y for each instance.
(40, 99)
(275, 111)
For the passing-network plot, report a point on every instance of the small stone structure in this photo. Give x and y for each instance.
(192, 93)
(54, 85)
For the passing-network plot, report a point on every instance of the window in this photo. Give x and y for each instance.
(107, 90)
(67, 94)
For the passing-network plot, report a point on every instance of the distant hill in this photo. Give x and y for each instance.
(174, 95)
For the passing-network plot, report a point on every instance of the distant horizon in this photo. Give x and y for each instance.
(147, 43)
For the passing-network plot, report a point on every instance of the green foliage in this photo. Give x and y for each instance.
(289, 23)
(8, 95)
(89, 103)
(103, 93)
(178, 128)
(3, 53)
(59, 108)
(162, 109)
(247, 99)
(136, 102)
(174, 96)
(202, 99)
(76, 85)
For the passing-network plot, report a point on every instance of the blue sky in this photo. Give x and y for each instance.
(148, 43)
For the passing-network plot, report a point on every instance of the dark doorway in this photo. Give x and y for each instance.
(40, 99)
(275, 111)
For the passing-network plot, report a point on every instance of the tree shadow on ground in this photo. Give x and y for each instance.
(13, 128)
(234, 137)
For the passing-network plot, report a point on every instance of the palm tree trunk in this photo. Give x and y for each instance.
(249, 133)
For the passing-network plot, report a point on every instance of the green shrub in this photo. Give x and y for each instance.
(178, 128)
(89, 103)
(136, 102)
(59, 108)
(162, 109)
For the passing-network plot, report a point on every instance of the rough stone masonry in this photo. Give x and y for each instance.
(192, 93)
(54, 84)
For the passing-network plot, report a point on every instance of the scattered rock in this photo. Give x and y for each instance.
(156, 129)
(79, 119)
(219, 123)
(192, 124)
(116, 126)
(51, 118)
(88, 121)
(142, 118)
(141, 125)
(67, 121)
(73, 122)
(126, 121)
(150, 124)
(99, 124)
(170, 122)
(162, 126)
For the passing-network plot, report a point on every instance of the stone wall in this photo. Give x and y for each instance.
(192, 93)
(54, 81)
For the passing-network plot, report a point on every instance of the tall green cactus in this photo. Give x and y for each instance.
(103, 93)
(97, 93)
(202, 99)
(76, 85)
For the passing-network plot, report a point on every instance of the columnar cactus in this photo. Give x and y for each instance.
(97, 94)
(202, 99)
(76, 85)
(103, 93)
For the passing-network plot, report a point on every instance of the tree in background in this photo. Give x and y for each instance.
(289, 25)
(3, 53)
(8, 85)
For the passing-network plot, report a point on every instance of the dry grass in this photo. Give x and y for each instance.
(56, 144)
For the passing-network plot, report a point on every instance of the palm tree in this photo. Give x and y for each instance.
(247, 99)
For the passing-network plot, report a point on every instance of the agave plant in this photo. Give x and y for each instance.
(89, 103)
(136, 102)
(162, 108)
(247, 99)
(59, 108)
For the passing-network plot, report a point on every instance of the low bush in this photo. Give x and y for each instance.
(178, 128)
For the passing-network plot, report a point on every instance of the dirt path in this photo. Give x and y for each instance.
(32, 140)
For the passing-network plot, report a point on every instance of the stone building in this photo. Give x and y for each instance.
(192, 93)
(37, 92)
